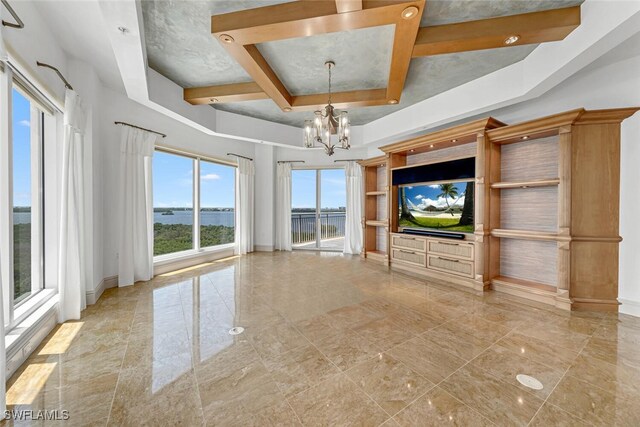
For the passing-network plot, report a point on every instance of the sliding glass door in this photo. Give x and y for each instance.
(318, 208)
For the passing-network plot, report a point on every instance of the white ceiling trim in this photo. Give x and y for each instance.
(605, 24)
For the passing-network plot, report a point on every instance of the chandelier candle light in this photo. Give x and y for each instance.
(328, 123)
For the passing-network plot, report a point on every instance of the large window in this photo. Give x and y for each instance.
(318, 209)
(21, 219)
(217, 204)
(178, 195)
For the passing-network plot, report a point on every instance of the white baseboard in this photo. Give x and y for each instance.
(263, 248)
(629, 307)
(106, 283)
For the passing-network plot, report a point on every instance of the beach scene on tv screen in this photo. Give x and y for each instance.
(442, 206)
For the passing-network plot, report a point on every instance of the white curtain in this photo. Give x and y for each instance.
(283, 207)
(245, 183)
(72, 249)
(353, 225)
(135, 255)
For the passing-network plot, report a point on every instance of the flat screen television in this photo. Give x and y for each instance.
(441, 206)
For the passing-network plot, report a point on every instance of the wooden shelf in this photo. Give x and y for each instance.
(376, 193)
(525, 286)
(526, 184)
(377, 223)
(527, 235)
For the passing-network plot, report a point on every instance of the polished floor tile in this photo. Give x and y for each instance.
(328, 340)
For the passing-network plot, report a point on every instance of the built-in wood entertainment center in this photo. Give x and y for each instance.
(546, 208)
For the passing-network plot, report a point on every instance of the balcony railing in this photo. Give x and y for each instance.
(303, 226)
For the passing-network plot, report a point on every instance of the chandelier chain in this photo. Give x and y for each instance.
(330, 85)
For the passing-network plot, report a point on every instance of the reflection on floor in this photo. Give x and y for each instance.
(329, 340)
(336, 244)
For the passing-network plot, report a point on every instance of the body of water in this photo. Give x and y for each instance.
(178, 217)
(226, 218)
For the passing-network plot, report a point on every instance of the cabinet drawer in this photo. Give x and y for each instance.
(415, 244)
(458, 267)
(409, 257)
(451, 249)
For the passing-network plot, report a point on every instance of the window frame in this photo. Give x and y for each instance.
(196, 203)
(16, 312)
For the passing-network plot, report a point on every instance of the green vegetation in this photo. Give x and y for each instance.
(21, 259)
(447, 224)
(169, 238)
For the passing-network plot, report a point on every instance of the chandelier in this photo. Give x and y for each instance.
(327, 123)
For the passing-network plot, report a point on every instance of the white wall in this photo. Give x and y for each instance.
(117, 107)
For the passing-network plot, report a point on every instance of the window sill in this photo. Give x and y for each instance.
(32, 312)
(169, 262)
(31, 305)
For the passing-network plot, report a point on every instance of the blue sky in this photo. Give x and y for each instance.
(173, 182)
(422, 196)
(21, 150)
(303, 188)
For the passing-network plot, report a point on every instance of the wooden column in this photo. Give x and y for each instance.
(482, 205)
(564, 218)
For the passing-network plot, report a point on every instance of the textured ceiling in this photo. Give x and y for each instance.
(180, 46)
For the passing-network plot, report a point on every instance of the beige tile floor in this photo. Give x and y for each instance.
(329, 340)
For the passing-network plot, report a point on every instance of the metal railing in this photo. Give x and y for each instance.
(303, 226)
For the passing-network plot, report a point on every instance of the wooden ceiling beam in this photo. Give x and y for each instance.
(404, 38)
(303, 19)
(342, 100)
(534, 27)
(235, 92)
(344, 6)
(250, 58)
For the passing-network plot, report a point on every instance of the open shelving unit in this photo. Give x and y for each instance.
(541, 228)
(375, 221)
(551, 238)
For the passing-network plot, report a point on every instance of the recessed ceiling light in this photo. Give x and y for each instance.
(431, 146)
(454, 140)
(525, 137)
(393, 101)
(226, 38)
(511, 39)
(409, 12)
(287, 109)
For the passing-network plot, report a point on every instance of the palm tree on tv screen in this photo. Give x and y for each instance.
(405, 213)
(467, 209)
(448, 191)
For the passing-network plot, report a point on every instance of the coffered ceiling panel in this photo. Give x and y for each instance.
(180, 46)
(362, 60)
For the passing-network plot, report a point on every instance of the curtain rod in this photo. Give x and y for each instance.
(238, 155)
(347, 160)
(66, 83)
(138, 127)
(19, 23)
(291, 161)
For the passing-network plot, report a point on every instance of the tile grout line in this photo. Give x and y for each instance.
(124, 354)
(562, 378)
(340, 372)
(189, 338)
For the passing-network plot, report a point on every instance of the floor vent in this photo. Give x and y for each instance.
(236, 330)
(530, 382)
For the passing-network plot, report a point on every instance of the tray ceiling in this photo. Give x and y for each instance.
(180, 46)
